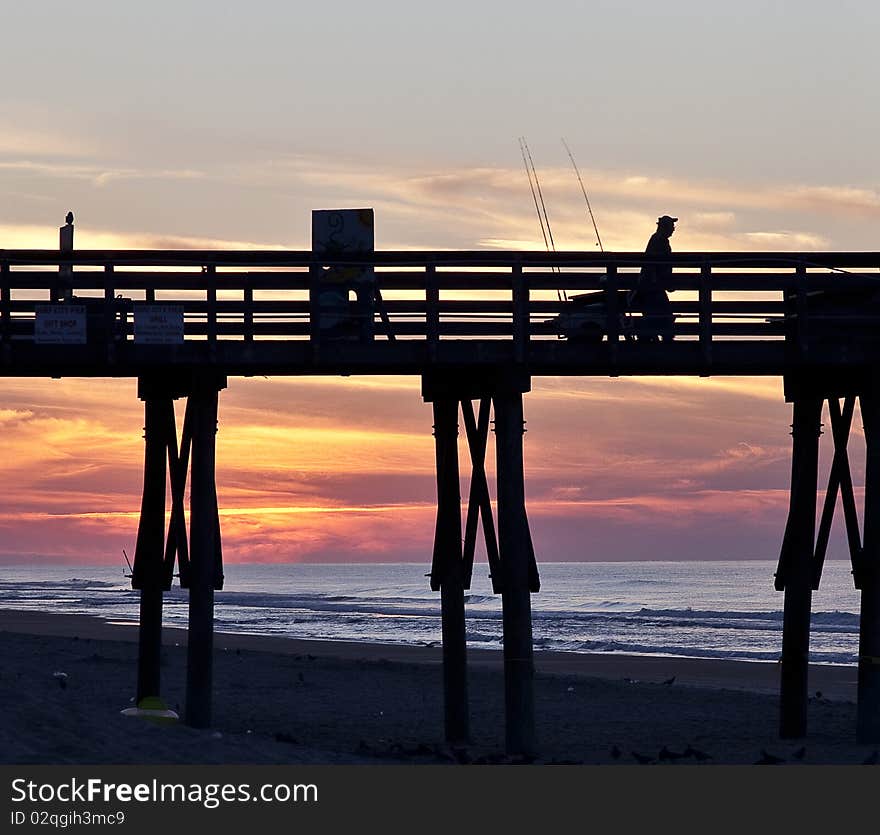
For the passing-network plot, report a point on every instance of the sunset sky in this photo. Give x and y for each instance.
(223, 125)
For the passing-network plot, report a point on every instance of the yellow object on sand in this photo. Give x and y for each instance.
(153, 709)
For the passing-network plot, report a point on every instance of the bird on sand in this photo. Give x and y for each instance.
(769, 759)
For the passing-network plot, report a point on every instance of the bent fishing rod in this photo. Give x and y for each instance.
(584, 190)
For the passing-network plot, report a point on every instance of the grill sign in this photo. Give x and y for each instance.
(158, 324)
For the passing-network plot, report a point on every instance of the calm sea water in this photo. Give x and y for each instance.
(696, 609)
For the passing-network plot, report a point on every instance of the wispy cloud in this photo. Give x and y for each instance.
(97, 175)
(32, 236)
(31, 142)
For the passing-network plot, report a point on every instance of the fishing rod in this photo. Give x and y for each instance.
(532, 188)
(561, 295)
(589, 208)
(129, 564)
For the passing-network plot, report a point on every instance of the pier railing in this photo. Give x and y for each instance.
(808, 302)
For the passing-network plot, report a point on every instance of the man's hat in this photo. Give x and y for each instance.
(662, 221)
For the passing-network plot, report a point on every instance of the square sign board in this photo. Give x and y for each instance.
(158, 324)
(341, 232)
(60, 324)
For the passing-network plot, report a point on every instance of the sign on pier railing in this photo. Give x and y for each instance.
(60, 324)
(158, 324)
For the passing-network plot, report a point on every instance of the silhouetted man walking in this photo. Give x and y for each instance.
(650, 294)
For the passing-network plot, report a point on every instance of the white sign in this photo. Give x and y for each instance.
(158, 324)
(60, 324)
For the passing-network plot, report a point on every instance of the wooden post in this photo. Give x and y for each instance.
(798, 567)
(202, 556)
(513, 540)
(65, 271)
(432, 311)
(6, 311)
(802, 327)
(705, 303)
(248, 323)
(448, 561)
(148, 575)
(521, 324)
(612, 312)
(211, 297)
(868, 691)
(315, 280)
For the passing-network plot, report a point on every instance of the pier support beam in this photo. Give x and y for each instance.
(205, 571)
(511, 557)
(514, 542)
(868, 708)
(795, 574)
(148, 573)
(447, 563)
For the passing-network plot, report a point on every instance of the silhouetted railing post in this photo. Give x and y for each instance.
(798, 566)
(514, 546)
(5, 311)
(203, 555)
(520, 297)
(315, 272)
(868, 708)
(65, 271)
(432, 311)
(248, 315)
(705, 296)
(801, 330)
(211, 307)
(109, 314)
(612, 309)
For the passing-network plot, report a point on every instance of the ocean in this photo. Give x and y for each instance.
(709, 609)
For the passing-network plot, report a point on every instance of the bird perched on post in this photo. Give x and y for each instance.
(69, 219)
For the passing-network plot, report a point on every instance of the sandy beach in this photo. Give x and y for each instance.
(278, 700)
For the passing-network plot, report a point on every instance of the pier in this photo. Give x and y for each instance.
(473, 328)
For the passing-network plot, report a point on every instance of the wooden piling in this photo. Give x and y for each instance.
(203, 557)
(513, 541)
(147, 575)
(868, 689)
(797, 567)
(448, 562)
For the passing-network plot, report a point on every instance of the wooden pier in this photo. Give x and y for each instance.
(473, 327)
